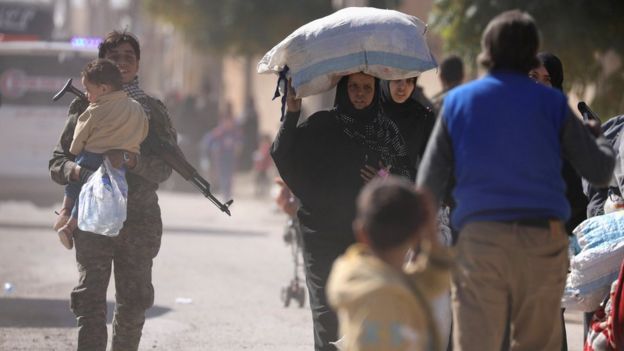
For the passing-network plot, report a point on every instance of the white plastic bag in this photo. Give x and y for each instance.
(383, 43)
(593, 269)
(103, 201)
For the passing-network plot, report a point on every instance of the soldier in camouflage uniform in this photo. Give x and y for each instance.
(131, 253)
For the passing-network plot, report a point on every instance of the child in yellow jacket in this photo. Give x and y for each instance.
(113, 121)
(382, 303)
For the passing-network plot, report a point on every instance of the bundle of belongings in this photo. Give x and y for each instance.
(596, 280)
(386, 44)
(598, 251)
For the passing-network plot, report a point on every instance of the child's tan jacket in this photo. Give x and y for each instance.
(378, 309)
(114, 121)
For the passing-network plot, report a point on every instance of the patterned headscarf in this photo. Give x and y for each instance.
(372, 129)
(410, 108)
(134, 91)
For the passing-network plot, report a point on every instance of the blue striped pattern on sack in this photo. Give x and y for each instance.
(592, 272)
(598, 285)
(363, 59)
(597, 231)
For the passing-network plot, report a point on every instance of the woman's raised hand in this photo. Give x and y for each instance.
(292, 103)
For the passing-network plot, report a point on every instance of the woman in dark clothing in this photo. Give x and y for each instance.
(400, 103)
(320, 160)
(550, 73)
(414, 120)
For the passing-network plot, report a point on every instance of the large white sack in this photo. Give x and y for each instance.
(594, 268)
(383, 43)
(591, 275)
(598, 230)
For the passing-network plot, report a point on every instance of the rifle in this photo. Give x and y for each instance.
(170, 153)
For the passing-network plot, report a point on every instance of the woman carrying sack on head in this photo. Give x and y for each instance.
(321, 160)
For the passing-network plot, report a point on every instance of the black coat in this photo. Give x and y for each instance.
(414, 120)
(321, 166)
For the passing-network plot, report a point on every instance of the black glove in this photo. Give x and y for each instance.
(84, 174)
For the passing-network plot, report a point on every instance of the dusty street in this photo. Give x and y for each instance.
(217, 281)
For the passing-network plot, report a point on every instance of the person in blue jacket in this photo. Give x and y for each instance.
(503, 138)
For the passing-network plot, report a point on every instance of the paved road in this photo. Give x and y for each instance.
(229, 269)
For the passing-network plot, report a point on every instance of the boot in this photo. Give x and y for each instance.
(64, 213)
(66, 233)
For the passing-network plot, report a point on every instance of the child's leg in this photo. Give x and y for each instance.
(64, 213)
(63, 225)
(66, 233)
(91, 161)
(74, 212)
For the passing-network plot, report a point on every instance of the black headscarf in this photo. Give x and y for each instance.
(371, 128)
(399, 111)
(554, 67)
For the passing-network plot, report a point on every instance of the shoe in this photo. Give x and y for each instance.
(61, 220)
(66, 233)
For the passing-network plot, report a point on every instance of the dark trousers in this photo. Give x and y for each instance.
(131, 254)
(320, 250)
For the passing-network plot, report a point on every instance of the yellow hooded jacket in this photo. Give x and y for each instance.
(380, 308)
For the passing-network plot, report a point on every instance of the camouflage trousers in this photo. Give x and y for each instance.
(130, 255)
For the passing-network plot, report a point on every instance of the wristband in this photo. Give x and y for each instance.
(383, 173)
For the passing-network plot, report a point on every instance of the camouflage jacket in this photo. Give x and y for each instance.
(143, 179)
